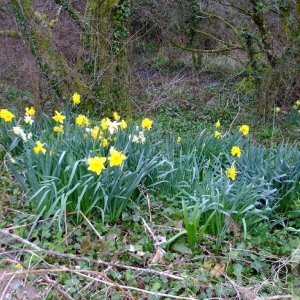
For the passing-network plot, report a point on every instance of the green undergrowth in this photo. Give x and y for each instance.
(264, 257)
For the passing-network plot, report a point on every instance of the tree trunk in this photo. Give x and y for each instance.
(107, 59)
(36, 31)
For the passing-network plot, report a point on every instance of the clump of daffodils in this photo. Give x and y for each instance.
(96, 164)
(139, 138)
(19, 131)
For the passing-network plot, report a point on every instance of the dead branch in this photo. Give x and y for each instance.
(82, 258)
(83, 273)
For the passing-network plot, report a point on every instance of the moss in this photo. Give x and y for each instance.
(108, 62)
(52, 64)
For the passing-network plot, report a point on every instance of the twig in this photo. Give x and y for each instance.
(82, 274)
(231, 124)
(56, 286)
(149, 207)
(91, 225)
(78, 258)
(279, 297)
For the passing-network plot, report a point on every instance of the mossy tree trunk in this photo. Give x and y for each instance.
(107, 59)
(36, 31)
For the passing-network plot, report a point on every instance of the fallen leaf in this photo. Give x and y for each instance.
(158, 257)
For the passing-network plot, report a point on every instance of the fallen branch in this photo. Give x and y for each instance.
(82, 274)
(82, 258)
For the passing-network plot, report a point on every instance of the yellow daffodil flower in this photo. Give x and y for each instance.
(123, 124)
(217, 134)
(116, 116)
(30, 111)
(105, 123)
(116, 157)
(231, 172)
(96, 164)
(218, 124)
(96, 133)
(236, 151)
(59, 129)
(59, 117)
(82, 120)
(147, 123)
(6, 115)
(104, 142)
(244, 129)
(76, 98)
(39, 147)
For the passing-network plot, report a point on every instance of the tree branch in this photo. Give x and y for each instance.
(82, 258)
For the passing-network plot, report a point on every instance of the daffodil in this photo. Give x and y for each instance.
(178, 140)
(29, 136)
(218, 124)
(30, 111)
(113, 126)
(217, 134)
(277, 109)
(116, 157)
(138, 139)
(6, 115)
(59, 129)
(116, 116)
(39, 147)
(28, 119)
(123, 124)
(236, 151)
(76, 98)
(18, 130)
(231, 172)
(105, 123)
(59, 117)
(96, 133)
(82, 120)
(104, 142)
(147, 123)
(244, 129)
(96, 164)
